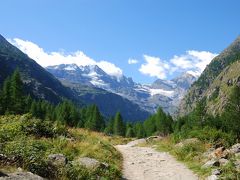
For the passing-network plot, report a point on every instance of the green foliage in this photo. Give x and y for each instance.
(28, 141)
(160, 123)
(12, 96)
(149, 126)
(231, 115)
(129, 131)
(139, 130)
(118, 126)
(94, 119)
(109, 128)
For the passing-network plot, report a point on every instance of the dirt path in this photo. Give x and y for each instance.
(143, 163)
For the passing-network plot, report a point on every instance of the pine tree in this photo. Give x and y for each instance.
(160, 120)
(200, 112)
(231, 115)
(109, 128)
(34, 109)
(150, 126)
(6, 96)
(17, 96)
(118, 126)
(139, 130)
(130, 132)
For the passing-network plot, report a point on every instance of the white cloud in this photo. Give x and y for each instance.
(132, 61)
(55, 58)
(192, 61)
(110, 68)
(154, 67)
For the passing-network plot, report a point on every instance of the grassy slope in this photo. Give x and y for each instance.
(32, 140)
(219, 91)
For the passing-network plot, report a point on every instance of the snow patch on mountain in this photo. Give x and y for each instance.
(162, 92)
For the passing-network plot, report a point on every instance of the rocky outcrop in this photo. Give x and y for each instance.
(219, 157)
(90, 163)
(20, 176)
(57, 160)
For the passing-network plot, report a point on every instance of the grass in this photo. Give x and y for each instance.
(31, 140)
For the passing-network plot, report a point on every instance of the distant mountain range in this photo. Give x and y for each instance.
(92, 85)
(43, 85)
(163, 93)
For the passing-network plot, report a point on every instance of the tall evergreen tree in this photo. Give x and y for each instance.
(95, 120)
(109, 127)
(118, 126)
(199, 113)
(6, 96)
(139, 130)
(150, 126)
(17, 96)
(231, 115)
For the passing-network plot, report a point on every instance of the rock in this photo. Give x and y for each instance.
(235, 148)
(187, 142)
(211, 163)
(208, 153)
(223, 161)
(237, 164)
(155, 138)
(216, 172)
(212, 177)
(21, 176)
(90, 163)
(58, 160)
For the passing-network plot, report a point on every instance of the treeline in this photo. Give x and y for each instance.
(14, 101)
(228, 122)
(157, 124)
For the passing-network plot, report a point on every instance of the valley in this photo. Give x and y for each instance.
(86, 121)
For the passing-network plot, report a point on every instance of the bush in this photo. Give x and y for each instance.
(207, 134)
(41, 128)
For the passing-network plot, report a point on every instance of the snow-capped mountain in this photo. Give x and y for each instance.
(164, 93)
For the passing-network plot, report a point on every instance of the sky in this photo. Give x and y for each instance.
(142, 39)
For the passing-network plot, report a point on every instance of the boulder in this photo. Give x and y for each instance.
(211, 163)
(21, 175)
(187, 142)
(237, 165)
(235, 148)
(212, 177)
(223, 161)
(155, 138)
(216, 172)
(90, 163)
(57, 160)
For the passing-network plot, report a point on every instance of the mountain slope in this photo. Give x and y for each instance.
(219, 91)
(166, 94)
(37, 80)
(109, 103)
(229, 56)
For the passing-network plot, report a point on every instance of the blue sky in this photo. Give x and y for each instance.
(165, 37)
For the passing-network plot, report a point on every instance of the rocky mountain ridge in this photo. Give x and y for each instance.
(164, 93)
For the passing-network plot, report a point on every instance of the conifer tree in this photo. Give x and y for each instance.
(118, 126)
(150, 126)
(16, 90)
(231, 115)
(139, 130)
(109, 128)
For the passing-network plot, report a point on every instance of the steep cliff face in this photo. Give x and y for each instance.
(211, 82)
